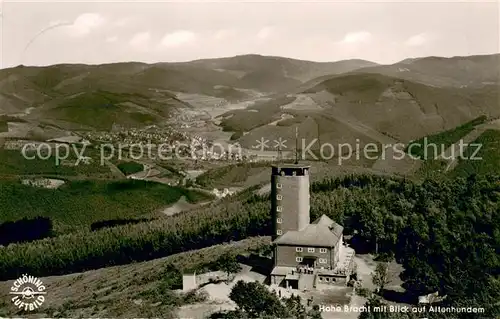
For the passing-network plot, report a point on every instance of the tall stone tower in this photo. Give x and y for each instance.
(289, 198)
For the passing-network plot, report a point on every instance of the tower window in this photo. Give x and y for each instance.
(279, 208)
(279, 232)
(322, 261)
(279, 197)
(322, 250)
(279, 186)
(279, 220)
(298, 249)
(310, 250)
(298, 259)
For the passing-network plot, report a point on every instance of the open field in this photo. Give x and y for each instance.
(303, 102)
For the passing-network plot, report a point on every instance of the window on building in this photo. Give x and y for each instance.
(298, 249)
(322, 261)
(310, 250)
(320, 279)
(322, 250)
(279, 208)
(279, 220)
(279, 232)
(279, 197)
(327, 279)
(298, 259)
(279, 186)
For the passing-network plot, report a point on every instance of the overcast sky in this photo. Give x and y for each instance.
(43, 33)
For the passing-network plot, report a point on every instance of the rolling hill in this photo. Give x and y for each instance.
(344, 105)
(459, 71)
(406, 100)
(250, 66)
(133, 93)
(405, 109)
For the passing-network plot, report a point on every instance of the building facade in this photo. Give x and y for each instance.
(289, 198)
(305, 254)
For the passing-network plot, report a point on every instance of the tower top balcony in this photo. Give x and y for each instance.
(290, 169)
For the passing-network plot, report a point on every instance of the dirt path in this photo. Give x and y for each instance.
(453, 153)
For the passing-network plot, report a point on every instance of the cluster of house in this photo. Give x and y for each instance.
(43, 182)
(195, 147)
(206, 155)
(17, 145)
(149, 135)
(222, 193)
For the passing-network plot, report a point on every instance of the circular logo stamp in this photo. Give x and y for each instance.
(28, 293)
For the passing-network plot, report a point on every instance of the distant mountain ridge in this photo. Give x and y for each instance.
(458, 71)
(136, 93)
(301, 70)
(134, 83)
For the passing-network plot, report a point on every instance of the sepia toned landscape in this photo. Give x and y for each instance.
(236, 169)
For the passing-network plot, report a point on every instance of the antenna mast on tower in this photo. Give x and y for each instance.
(296, 145)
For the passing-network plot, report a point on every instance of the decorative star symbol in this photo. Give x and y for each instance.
(261, 144)
(280, 143)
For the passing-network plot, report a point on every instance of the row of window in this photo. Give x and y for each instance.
(294, 173)
(310, 250)
(326, 279)
(320, 260)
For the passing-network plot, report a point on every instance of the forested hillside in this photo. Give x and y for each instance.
(445, 233)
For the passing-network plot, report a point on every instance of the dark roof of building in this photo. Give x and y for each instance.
(291, 165)
(323, 232)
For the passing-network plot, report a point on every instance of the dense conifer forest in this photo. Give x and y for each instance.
(446, 233)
